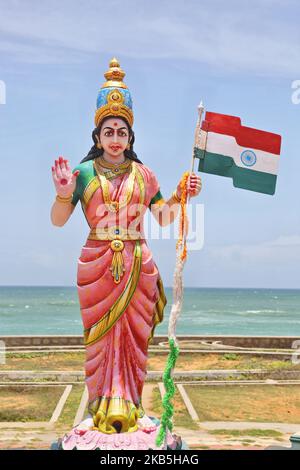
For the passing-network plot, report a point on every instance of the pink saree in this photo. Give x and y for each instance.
(118, 317)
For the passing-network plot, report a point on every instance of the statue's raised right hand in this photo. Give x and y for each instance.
(64, 179)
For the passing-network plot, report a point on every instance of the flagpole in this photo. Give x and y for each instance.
(196, 143)
(197, 133)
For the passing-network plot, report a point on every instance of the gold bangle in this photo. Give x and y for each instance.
(64, 199)
(175, 196)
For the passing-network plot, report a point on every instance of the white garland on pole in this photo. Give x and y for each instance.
(178, 277)
(167, 417)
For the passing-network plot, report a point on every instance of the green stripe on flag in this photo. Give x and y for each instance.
(244, 178)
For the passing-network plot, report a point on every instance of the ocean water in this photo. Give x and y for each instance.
(55, 311)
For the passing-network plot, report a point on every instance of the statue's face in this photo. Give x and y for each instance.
(114, 136)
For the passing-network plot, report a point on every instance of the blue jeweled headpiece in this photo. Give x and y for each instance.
(114, 98)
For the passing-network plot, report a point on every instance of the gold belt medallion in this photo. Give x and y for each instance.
(117, 267)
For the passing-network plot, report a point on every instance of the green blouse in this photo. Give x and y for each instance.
(87, 173)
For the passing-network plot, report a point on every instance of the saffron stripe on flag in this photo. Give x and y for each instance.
(245, 136)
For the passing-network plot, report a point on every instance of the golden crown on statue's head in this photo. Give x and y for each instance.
(114, 98)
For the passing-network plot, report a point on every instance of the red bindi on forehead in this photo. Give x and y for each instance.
(115, 124)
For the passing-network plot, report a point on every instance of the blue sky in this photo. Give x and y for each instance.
(240, 58)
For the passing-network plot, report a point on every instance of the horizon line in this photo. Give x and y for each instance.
(166, 287)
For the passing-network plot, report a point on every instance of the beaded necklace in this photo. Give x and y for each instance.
(115, 206)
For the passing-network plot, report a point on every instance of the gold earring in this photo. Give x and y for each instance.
(98, 145)
(128, 146)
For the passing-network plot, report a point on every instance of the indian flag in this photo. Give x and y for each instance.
(249, 156)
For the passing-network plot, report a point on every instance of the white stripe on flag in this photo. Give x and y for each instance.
(257, 160)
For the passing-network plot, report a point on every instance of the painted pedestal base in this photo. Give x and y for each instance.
(138, 440)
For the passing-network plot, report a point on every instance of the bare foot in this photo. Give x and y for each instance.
(146, 424)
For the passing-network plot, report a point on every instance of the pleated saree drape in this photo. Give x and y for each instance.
(118, 318)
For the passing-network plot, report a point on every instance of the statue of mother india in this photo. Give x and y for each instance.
(120, 290)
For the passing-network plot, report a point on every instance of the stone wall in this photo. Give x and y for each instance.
(274, 342)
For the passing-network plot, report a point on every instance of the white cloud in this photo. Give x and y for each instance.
(286, 240)
(280, 251)
(236, 36)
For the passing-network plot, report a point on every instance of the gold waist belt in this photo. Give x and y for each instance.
(115, 232)
(116, 235)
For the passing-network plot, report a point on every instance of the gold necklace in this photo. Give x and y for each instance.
(114, 166)
(112, 170)
(115, 206)
(108, 164)
(117, 267)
